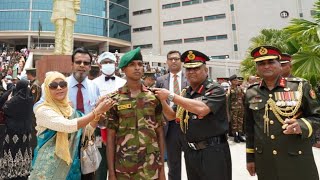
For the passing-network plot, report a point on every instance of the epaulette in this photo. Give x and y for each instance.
(254, 84)
(113, 94)
(297, 79)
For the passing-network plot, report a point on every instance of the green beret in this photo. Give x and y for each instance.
(130, 56)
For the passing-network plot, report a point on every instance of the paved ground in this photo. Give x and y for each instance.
(239, 171)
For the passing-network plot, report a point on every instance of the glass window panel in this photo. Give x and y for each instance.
(119, 13)
(172, 5)
(124, 3)
(192, 20)
(197, 39)
(120, 30)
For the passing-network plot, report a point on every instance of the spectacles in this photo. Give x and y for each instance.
(84, 63)
(61, 84)
(173, 58)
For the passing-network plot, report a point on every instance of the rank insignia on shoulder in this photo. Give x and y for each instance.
(312, 94)
(124, 106)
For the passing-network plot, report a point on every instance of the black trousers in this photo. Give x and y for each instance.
(174, 145)
(212, 163)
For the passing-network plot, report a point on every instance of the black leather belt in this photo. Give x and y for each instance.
(208, 142)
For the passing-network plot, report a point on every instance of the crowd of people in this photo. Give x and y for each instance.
(141, 116)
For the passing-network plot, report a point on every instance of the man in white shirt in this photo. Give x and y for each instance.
(107, 83)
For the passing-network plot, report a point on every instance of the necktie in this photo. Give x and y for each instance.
(108, 78)
(176, 88)
(80, 106)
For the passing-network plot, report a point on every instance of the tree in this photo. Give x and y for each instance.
(272, 37)
(306, 35)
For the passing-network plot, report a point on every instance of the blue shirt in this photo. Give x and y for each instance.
(90, 93)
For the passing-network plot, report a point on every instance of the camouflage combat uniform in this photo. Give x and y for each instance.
(236, 96)
(137, 152)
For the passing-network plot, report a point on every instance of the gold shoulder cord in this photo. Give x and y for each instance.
(179, 115)
(277, 111)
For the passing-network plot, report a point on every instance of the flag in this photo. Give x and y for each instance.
(39, 27)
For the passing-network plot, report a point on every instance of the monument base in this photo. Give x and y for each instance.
(60, 63)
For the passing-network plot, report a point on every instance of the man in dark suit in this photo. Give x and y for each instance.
(174, 81)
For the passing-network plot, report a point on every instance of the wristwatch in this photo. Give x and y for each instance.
(171, 96)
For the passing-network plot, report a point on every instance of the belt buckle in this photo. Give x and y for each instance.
(192, 146)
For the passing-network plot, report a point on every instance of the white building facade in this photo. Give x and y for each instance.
(222, 29)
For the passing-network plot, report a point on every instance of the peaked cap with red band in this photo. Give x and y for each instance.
(265, 53)
(193, 59)
(285, 58)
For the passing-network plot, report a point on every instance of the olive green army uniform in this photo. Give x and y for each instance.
(278, 156)
(135, 120)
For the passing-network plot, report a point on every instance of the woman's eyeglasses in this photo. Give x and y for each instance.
(86, 63)
(61, 84)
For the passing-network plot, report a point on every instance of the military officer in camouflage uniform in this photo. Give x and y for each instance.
(281, 115)
(235, 97)
(35, 86)
(149, 79)
(202, 113)
(135, 143)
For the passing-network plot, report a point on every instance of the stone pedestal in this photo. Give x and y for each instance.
(60, 63)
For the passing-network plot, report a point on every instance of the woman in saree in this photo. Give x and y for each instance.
(59, 131)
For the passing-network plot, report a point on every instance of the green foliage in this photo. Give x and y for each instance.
(300, 39)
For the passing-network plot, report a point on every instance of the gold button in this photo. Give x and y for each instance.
(272, 137)
(274, 152)
(256, 149)
(271, 122)
(256, 108)
(270, 95)
(300, 152)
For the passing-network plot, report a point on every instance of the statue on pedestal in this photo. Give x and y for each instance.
(64, 15)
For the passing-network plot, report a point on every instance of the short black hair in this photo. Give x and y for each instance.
(32, 73)
(173, 51)
(81, 50)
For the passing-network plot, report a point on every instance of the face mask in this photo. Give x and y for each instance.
(108, 69)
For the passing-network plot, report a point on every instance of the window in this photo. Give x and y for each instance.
(176, 41)
(217, 37)
(313, 12)
(192, 20)
(234, 27)
(170, 23)
(208, 0)
(197, 39)
(232, 7)
(147, 28)
(219, 57)
(235, 47)
(145, 11)
(214, 17)
(172, 5)
(301, 14)
(186, 3)
(143, 46)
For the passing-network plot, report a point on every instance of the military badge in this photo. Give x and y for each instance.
(312, 94)
(263, 51)
(191, 56)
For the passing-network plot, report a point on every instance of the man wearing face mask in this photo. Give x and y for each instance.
(107, 83)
